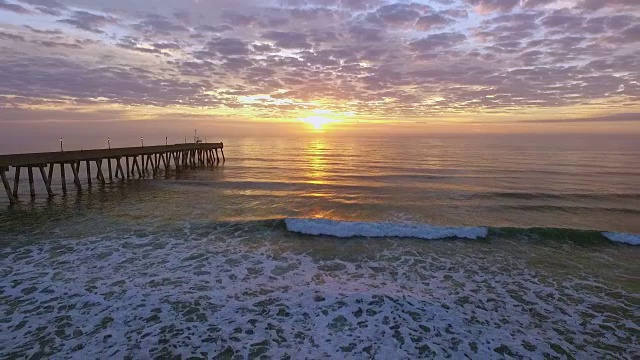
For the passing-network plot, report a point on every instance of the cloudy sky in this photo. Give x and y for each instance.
(452, 65)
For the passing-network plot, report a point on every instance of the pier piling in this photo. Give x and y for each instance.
(63, 178)
(32, 189)
(45, 179)
(88, 163)
(7, 187)
(76, 177)
(50, 173)
(110, 173)
(16, 182)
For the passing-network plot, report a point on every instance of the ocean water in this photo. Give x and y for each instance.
(316, 247)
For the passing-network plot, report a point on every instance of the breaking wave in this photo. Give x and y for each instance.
(346, 229)
(382, 229)
(631, 239)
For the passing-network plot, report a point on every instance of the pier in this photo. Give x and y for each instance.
(121, 163)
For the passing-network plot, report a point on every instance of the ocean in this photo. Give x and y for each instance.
(439, 246)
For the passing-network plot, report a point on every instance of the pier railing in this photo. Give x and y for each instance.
(141, 161)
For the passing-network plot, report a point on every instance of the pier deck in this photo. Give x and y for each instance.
(140, 161)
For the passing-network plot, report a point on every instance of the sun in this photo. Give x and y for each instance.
(318, 122)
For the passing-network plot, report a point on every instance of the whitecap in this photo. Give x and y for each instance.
(625, 238)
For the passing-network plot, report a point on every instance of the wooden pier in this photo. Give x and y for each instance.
(138, 162)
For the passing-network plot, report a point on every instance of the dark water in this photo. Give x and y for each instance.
(199, 264)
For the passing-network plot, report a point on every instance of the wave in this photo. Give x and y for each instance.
(347, 229)
(625, 238)
(381, 229)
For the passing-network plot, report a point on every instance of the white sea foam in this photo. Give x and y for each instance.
(631, 239)
(381, 229)
(225, 292)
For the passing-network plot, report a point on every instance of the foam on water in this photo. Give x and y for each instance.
(382, 229)
(231, 291)
(631, 239)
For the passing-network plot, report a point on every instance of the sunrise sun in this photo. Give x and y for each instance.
(318, 122)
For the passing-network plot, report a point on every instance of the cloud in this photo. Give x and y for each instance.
(157, 24)
(240, 20)
(226, 47)
(56, 44)
(31, 78)
(44, 32)
(89, 22)
(623, 117)
(166, 46)
(366, 34)
(18, 9)
(387, 59)
(49, 7)
(214, 29)
(437, 41)
(433, 21)
(631, 34)
(400, 14)
(288, 40)
(489, 6)
(12, 37)
(594, 5)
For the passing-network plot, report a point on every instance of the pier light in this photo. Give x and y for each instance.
(142, 141)
(61, 149)
(109, 142)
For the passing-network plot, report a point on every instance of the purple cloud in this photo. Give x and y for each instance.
(89, 22)
(13, 8)
(437, 41)
(489, 6)
(288, 40)
(433, 21)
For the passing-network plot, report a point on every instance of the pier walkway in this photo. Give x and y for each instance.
(138, 161)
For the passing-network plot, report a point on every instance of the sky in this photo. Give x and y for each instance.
(268, 66)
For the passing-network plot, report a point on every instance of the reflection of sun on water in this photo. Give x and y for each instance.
(317, 163)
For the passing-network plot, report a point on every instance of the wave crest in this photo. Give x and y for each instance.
(631, 239)
(381, 229)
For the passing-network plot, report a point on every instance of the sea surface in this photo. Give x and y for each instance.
(477, 246)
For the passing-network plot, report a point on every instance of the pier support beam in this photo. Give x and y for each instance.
(127, 164)
(119, 169)
(32, 189)
(7, 187)
(176, 161)
(99, 174)
(135, 163)
(47, 182)
(110, 172)
(88, 163)
(76, 178)
(63, 178)
(16, 182)
(164, 161)
(50, 173)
